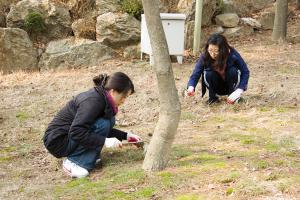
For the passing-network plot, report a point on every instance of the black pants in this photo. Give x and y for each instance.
(218, 86)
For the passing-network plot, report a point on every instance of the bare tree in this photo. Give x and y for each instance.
(280, 22)
(158, 151)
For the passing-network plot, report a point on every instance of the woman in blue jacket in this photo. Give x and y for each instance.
(223, 71)
(85, 124)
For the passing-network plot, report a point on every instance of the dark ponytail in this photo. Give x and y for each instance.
(118, 81)
(100, 80)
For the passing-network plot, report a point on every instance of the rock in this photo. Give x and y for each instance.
(104, 6)
(133, 51)
(56, 16)
(188, 8)
(74, 53)
(267, 19)
(85, 28)
(244, 8)
(238, 31)
(81, 8)
(116, 30)
(16, 51)
(250, 22)
(228, 20)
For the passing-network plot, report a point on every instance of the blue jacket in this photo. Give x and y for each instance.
(234, 60)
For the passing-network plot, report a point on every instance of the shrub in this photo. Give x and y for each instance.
(133, 7)
(34, 23)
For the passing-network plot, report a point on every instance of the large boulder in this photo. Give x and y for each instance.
(238, 31)
(16, 51)
(104, 6)
(267, 18)
(228, 20)
(74, 53)
(56, 15)
(188, 7)
(116, 30)
(81, 8)
(168, 6)
(244, 8)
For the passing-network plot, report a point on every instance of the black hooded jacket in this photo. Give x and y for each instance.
(74, 121)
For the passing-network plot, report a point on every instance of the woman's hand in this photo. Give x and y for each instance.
(190, 91)
(235, 96)
(133, 137)
(112, 143)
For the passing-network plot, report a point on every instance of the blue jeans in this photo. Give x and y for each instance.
(84, 157)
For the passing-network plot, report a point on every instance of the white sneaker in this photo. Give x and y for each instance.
(74, 170)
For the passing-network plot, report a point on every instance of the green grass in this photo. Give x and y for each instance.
(22, 116)
(190, 197)
(250, 188)
(231, 177)
(188, 116)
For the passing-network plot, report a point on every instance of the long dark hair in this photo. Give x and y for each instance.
(220, 41)
(118, 81)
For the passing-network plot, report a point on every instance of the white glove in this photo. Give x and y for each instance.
(133, 137)
(235, 96)
(190, 91)
(112, 143)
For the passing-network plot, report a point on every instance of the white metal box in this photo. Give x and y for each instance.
(173, 25)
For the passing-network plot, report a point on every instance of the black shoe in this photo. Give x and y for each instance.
(212, 101)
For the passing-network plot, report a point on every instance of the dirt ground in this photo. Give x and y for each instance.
(249, 150)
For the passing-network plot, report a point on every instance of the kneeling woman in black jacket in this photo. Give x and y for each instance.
(85, 124)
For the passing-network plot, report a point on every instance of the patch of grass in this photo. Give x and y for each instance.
(283, 185)
(8, 149)
(5, 159)
(124, 155)
(128, 177)
(264, 109)
(248, 139)
(261, 164)
(229, 191)
(167, 179)
(83, 186)
(244, 154)
(146, 192)
(282, 109)
(22, 116)
(272, 147)
(287, 142)
(250, 188)
(180, 152)
(190, 197)
(272, 176)
(231, 177)
(116, 194)
(187, 116)
(218, 119)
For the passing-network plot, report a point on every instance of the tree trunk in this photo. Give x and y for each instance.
(197, 30)
(298, 4)
(280, 22)
(160, 145)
